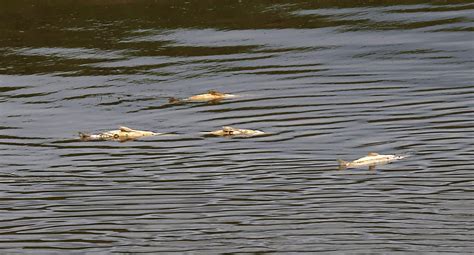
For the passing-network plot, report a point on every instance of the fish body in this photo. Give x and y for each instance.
(230, 131)
(211, 95)
(122, 134)
(371, 160)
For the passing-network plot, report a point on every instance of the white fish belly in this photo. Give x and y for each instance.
(374, 160)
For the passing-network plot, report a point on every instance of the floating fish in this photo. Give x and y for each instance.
(230, 131)
(371, 160)
(122, 134)
(210, 96)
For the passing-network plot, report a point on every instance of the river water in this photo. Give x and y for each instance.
(327, 80)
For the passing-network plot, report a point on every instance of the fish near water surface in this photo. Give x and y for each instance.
(122, 134)
(230, 131)
(210, 96)
(371, 160)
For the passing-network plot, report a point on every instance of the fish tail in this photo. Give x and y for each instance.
(409, 153)
(342, 164)
(174, 100)
(84, 135)
(406, 154)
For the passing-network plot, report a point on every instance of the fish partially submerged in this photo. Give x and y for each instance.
(122, 134)
(230, 131)
(371, 160)
(210, 96)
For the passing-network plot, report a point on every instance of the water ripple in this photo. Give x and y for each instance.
(324, 80)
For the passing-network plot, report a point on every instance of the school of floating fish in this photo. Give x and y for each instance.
(124, 134)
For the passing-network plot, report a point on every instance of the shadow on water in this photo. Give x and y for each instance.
(327, 80)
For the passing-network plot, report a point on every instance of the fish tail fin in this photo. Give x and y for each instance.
(409, 153)
(174, 100)
(406, 154)
(84, 135)
(342, 164)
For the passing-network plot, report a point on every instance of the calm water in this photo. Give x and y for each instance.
(327, 79)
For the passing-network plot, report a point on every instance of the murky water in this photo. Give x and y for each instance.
(327, 79)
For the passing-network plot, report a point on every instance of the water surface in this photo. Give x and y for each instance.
(326, 79)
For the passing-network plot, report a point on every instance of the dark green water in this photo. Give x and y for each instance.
(326, 79)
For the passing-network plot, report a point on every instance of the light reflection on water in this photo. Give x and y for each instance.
(327, 81)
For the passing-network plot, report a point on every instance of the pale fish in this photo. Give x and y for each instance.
(210, 96)
(122, 134)
(371, 160)
(230, 131)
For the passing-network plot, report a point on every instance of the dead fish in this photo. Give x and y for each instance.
(211, 95)
(371, 160)
(122, 134)
(230, 131)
